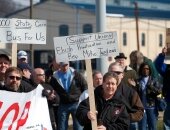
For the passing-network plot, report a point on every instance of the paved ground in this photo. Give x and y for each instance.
(160, 117)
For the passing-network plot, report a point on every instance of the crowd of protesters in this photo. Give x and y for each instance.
(126, 96)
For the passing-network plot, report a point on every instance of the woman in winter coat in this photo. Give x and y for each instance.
(148, 88)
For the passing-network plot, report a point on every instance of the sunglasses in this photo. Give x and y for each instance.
(116, 72)
(15, 77)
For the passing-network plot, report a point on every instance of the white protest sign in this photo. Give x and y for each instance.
(23, 31)
(24, 111)
(85, 46)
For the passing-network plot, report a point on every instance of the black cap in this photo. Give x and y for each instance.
(121, 55)
(4, 56)
(23, 66)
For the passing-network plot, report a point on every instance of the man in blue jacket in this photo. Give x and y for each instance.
(69, 84)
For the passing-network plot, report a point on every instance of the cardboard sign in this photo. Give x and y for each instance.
(85, 46)
(24, 111)
(23, 31)
(168, 40)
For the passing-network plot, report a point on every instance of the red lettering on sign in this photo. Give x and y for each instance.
(22, 119)
(14, 107)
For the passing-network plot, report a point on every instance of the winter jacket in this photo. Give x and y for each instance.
(132, 98)
(153, 88)
(111, 113)
(77, 86)
(46, 91)
(129, 73)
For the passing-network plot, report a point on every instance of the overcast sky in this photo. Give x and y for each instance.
(25, 2)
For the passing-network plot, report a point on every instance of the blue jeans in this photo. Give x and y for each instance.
(149, 120)
(166, 117)
(64, 110)
(133, 126)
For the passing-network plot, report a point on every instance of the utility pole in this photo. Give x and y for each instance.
(102, 63)
(31, 46)
(77, 31)
(137, 29)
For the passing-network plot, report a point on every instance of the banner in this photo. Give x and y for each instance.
(24, 111)
(23, 31)
(86, 46)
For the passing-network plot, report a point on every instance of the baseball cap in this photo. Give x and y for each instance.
(22, 54)
(4, 56)
(23, 66)
(64, 63)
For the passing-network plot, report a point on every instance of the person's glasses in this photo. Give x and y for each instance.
(40, 74)
(116, 72)
(15, 77)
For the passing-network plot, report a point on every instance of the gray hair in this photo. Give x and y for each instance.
(116, 64)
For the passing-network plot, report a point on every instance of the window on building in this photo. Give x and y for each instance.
(160, 40)
(43, 58)
(124, 38)
(63, 30)
(143, 39)
(117, 2)
(87, 28)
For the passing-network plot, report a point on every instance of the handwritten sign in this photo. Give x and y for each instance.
(23, 31)
(85, 46)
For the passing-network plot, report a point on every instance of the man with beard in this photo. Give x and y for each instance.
(13, 77)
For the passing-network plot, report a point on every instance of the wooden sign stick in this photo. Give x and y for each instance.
(14, 54)
(91, 91)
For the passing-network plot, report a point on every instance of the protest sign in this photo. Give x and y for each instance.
(85, 46)
(23, 31)
(24, 111)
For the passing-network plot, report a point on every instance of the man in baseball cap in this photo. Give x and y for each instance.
(64, 63)
(22, 57)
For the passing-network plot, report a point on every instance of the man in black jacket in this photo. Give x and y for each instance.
(111, 111)
(38, 77)
(132, 98)
(69, 84)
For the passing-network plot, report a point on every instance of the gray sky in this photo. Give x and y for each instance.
(25, 2)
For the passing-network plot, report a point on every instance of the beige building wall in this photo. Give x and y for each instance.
(152, 28)
(57, 13)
